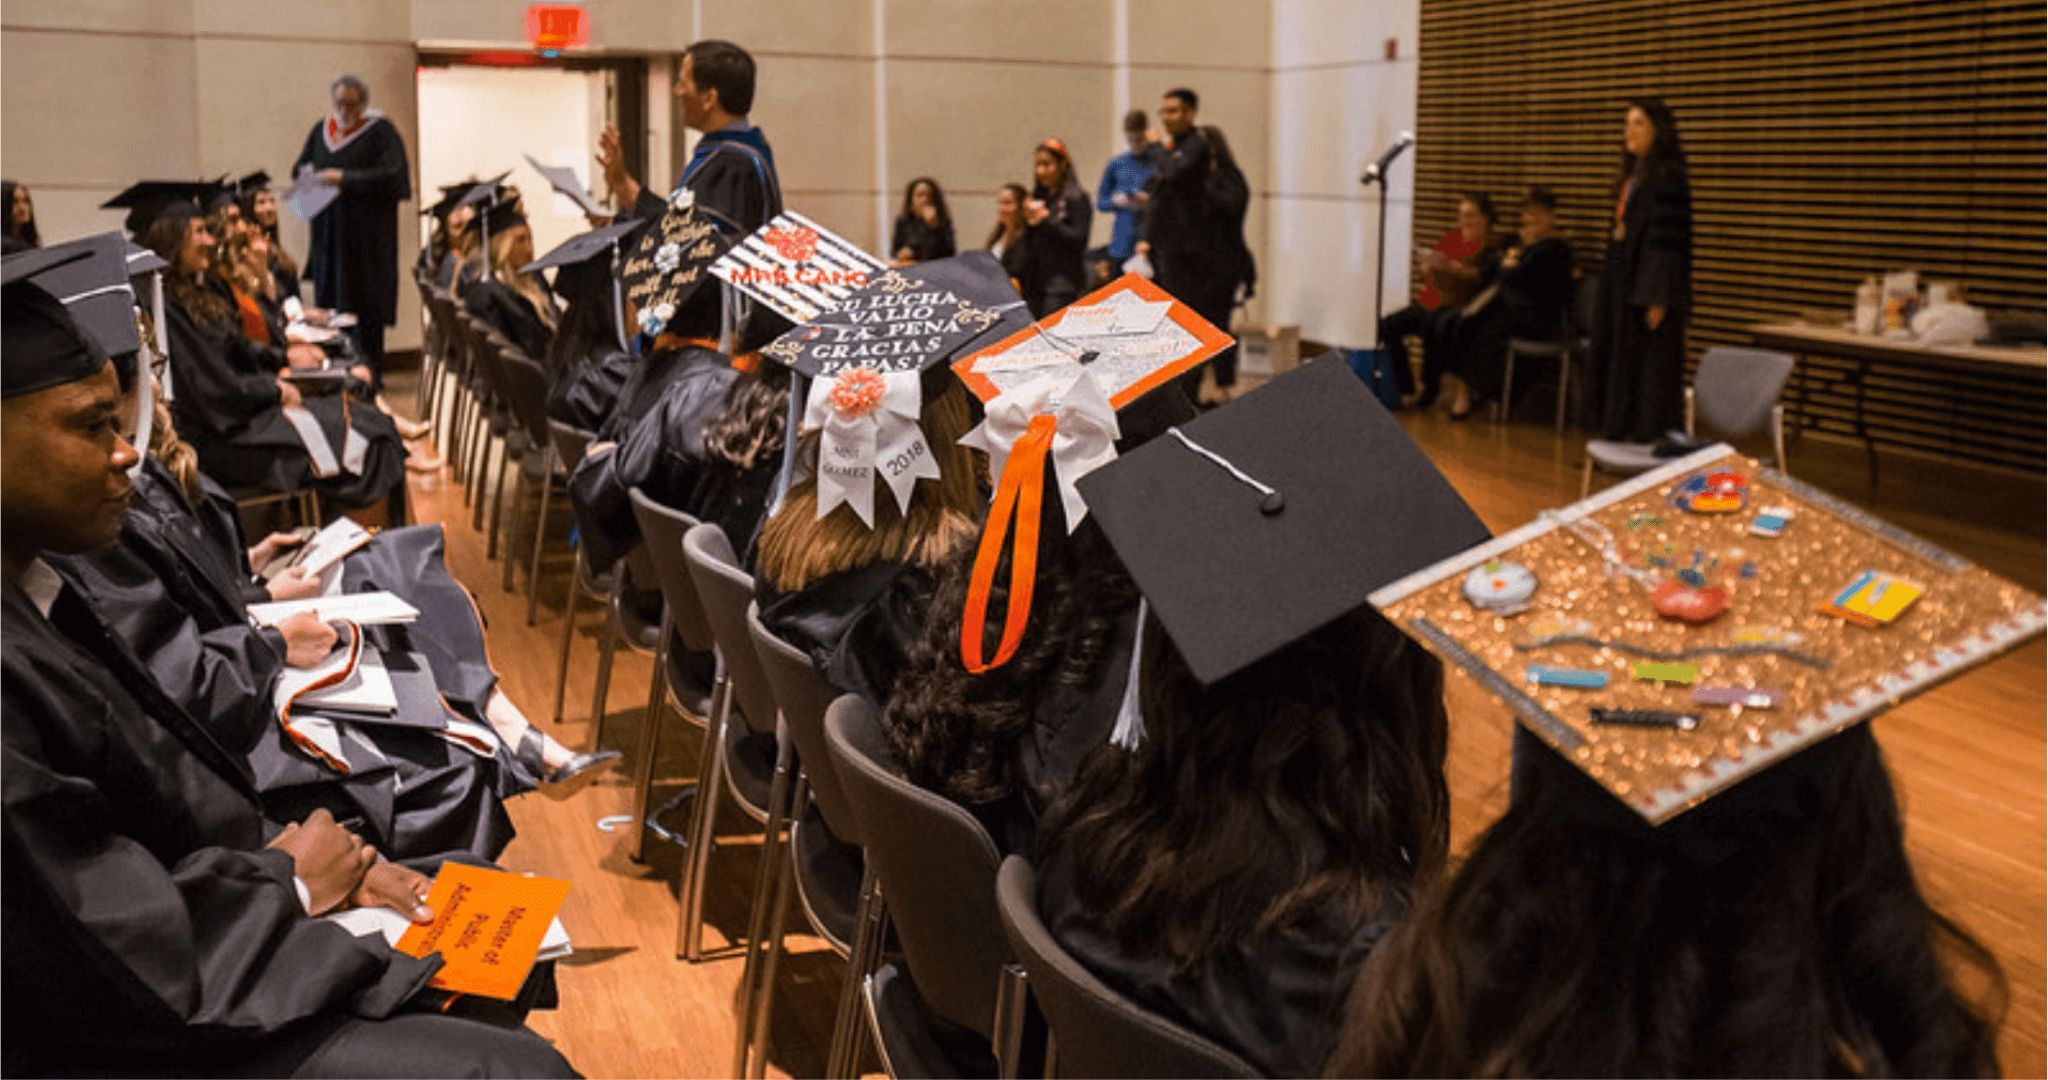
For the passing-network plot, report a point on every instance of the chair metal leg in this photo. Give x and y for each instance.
(703, 823)
(771, 946)
(650, 745)
(487, 482)
(1586, 477)
(540, 531)
(844, 1056)
(1778, 439)
(1507, 389)
(1013, 994)
(764, 884)
(608, 647)
(1564, 385)
(510, 524)
(568, 633)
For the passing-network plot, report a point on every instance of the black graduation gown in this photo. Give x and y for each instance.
(1054, 249)
(925, 242)
(857, 625)
(226, 405)
(1177, 217)
(733, 172)
(145, 923)
(663, 455)
(585, 397)
(354, 256)
(1277, 999)
(511, 315)
(1530, 303)
(651, 375)
(1635, 377)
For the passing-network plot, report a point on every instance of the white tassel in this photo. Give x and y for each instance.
(1129, 732)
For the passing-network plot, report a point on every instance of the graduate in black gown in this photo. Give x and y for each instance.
(1232, 858)
(229, 392)
(354, 257)
(1006, 742)
(154, 921)
(509, 300)
(1635, 372)
(587, 368)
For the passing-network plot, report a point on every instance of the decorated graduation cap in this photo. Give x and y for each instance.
(1260, 522)
(866, 356)
(671, 260)
(149, 200)
(1681, 631)
(42, 344)
(1051, 390)
(797, 267)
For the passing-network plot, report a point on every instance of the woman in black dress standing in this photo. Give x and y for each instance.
(1636, 383)
(1056, 221)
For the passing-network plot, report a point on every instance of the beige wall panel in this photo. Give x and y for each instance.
(1066, 31)
(133, 16)
(828, 27)
(1330, 123)
(635, 25)
(354, 21)
(819, 115)
(850, 215)
(1324, 284)
(1307, 32)
(1200, 33)
(961, 123)
(96, 110)
(471, 22)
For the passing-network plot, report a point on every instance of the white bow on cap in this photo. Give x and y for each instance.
(1084, 436)
(869, 420)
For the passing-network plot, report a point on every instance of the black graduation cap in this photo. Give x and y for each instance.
(504, 215)
(148, 200)
(483, 190)
(1258, 523)
(672, 260)
(907, 318)
(584, 246)
(141, 260)
(41, 344)
(252, 183)
(95, 288)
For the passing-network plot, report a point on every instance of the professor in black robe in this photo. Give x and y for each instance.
(354, 257)
(151, 920)
(1635, 378)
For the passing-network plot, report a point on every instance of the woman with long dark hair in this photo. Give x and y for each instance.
(924, 229)
(1006, 240)
(1056, 219)
(1635, 381)
(1775, 930)
(1235, 869)
(21, 233)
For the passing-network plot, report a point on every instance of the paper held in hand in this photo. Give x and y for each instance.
(309, 196)
(363, 609)
(489, 927)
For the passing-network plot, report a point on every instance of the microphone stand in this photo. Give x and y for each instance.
(1377, 174)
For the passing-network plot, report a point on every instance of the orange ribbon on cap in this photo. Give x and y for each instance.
(1019, 494)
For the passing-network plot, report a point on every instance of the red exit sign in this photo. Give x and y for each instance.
(557, 26)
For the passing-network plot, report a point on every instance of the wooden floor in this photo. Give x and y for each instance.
(1969, 758)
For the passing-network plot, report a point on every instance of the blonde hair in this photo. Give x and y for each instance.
(526, 285)
(798, 548)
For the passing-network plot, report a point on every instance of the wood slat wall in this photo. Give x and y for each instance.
(1828, 141)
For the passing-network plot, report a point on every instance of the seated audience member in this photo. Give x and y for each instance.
(1452, 272)
(1006, 240)
(1264, 814)
(1057, 217)
(1774, 930)
(924, 230)
(21, 234)
(710, 448)
(259, 209)
(232, 392)
(854, 595)
(1528, 298)
(1005, 742)
(514, 303)
(155, 921)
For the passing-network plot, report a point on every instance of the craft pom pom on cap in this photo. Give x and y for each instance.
(1361, 506)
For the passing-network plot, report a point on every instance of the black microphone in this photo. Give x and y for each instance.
(1377, 171)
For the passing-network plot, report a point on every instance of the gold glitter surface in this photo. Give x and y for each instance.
(1963, 618)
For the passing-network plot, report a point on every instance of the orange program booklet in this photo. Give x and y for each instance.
(488, 925)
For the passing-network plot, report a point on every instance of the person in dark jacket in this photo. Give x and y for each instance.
(1635, 375)
(1192, 252)
(1528, 297)
(1006, 239)
(1056, 221)
(354, 257)
(924, 229)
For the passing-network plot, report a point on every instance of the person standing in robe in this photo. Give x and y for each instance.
(1635, 380)
(354, 257)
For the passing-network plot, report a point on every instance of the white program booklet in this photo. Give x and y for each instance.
(363, 609)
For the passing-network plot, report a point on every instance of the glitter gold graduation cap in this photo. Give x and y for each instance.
(1676, 633)
(1253, 525)
(1051, 391)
